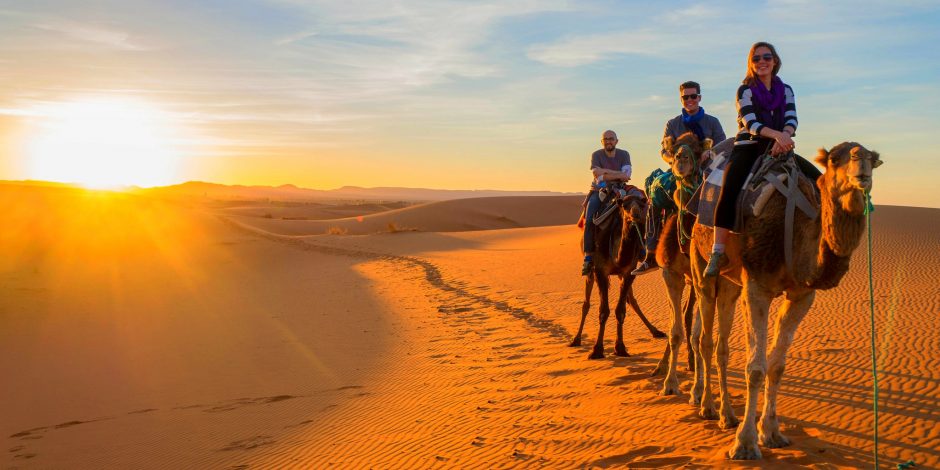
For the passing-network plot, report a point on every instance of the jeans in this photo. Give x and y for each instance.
(594, 203)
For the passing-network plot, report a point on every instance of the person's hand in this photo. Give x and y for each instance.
(777, 150)
(783, 143)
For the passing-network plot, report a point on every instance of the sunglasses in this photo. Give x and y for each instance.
(690, 97)
(757, 58)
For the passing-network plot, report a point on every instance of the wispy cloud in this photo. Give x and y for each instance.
(92, 34)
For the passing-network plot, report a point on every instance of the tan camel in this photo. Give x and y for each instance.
(672, 255)
(821, 251)
(625, 232)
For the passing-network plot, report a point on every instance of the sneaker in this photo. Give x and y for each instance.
(714, 263)
(587, 267)
(644, 268)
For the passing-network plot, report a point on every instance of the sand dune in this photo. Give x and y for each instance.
(181, 338)
(444, 216)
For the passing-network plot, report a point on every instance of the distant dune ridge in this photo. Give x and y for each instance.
(289, 192)
(148, 332)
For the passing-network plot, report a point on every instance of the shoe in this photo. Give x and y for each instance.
(587, 268)
(714, 263)
(644, 268)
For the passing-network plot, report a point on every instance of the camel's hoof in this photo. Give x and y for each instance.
(708, 413)
(695, 400)
(744, 452)
(774, 440)
(596, 355)
(622, 352)
(671, 389)
(657, 334)
(658, 371)
(728, 422)
(575, 342)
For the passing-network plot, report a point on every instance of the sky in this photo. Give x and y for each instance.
(507, 95)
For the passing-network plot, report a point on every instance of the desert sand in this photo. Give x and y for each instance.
(140, 333)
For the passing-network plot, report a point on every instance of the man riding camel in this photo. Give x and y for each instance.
(692, 119)
(608, 164)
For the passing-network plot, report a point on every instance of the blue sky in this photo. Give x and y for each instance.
(482, 95)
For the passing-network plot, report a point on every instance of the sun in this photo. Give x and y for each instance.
(103, 143)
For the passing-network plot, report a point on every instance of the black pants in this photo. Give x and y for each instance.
(739, 166)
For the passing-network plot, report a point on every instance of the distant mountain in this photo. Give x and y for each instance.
(289, 192)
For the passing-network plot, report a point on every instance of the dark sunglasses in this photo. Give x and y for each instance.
(690, 97)
(768, 57)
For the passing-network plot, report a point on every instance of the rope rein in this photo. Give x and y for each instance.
(683, 196)
(871, 308)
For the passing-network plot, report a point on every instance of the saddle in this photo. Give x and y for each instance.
(768, 175)
(608, 214)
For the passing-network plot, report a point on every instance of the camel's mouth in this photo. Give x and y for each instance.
(862, 182)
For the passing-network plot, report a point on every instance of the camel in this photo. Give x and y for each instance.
(624, 229)
(821, 248)
(685, 154)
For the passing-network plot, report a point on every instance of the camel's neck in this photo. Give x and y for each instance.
(843, 224)
(687, 186)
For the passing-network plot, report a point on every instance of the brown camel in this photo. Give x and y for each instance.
(821, 250)
(624, 230)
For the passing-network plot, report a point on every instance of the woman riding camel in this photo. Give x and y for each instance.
(766, 122)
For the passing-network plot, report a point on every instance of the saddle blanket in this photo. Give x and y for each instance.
(703, 202)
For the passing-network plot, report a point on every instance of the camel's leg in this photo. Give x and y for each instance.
(631, 299)
(792, 312)
(663, 365)
(698, 376)
(727, 298)
(705, 293)
(689, 313)
(758, 302)
(603, 283)
(674, 287)
(621, 312)
(706, 349)
(585, 308)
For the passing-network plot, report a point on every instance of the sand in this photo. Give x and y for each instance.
(142, 334)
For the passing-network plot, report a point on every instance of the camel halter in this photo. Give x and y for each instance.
(687, 187)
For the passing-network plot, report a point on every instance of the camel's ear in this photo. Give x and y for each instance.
(668, 143)
(708, 144)
(876, 159)
(823, 158)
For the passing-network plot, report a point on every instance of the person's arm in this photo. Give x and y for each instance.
(603, 174)
(747, 113)
(662, 145)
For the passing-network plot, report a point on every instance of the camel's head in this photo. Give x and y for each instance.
(851, 164)
(684, 153)
(633, 206)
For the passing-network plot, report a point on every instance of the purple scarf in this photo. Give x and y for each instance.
(771, 105)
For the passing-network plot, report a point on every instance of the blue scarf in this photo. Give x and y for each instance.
(692, 122)
(771, 104)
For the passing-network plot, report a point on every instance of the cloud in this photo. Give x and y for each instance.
(91, 34)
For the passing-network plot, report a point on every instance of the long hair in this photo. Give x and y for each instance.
(750, 76)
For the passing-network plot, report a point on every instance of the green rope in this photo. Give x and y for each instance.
(871, 305)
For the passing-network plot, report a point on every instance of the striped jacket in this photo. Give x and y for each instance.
(748, 125)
